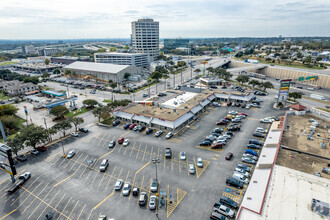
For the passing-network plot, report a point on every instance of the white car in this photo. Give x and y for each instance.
(75, 134)
(264, 120)
(248, 106)
(158, 133)
(241, 171)
(182, 155)
(127, 189)
(126, 142)
(233, 112)
(250, 156)
(191, 168)
(224, 210)
(261, 130)
(199, 162)
(152, 202)
(169, 135)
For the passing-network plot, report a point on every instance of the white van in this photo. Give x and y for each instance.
(240, 177)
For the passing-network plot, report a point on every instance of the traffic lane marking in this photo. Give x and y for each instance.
(104, 200)
(19, 189)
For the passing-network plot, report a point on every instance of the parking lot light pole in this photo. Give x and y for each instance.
(155, 161)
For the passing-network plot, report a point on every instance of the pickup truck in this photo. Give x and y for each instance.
(21, 180)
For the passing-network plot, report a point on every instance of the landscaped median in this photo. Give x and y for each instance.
(77, 112)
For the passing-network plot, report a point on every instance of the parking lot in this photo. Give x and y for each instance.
(76, 189)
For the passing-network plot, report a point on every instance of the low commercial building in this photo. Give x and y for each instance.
(134, 59)
(36, 67)
(68, 60)
(17, 88)
(176, 112)
(48, 51)
(102, 71)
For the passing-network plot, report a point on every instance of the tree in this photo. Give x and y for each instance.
(299, 55)
(67, 72)
(242, 79)
(59, 111)
(266, 85)
(113, 49)
(76, 121)
(156, 75)
(9, 122)
(113, 85)
(47, 61)
(16, 144)
(45, 75)
(8, 109)
(31, 79)
(295, 95)
(197, 71)
(254, 83)
(90, 103)
(34, 135)
(127, 75)
(62, 126)
(100, 112)
(102, 50)
(56, 71)
(239, 54)
(210, 70)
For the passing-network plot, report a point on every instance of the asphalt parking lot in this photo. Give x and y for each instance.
(75, 189)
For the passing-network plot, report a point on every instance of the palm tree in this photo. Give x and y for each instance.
(113, 85)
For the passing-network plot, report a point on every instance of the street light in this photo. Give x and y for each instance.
(155, 161)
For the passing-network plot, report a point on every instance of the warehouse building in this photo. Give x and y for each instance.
(102, 71)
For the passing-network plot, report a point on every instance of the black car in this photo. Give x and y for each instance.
(168, 153)
(253, 146)
(213, 87)
(143, 199)
(115, 123)
(126, 126)
(229, 202)
(149, 131)
(22, 158)
(135, 191)
(205, 143)
(243, 106)
(85, 130)
(218, 130)
(229, 133)
(255, 141)
(258, 134)
(234, 182)
(142, 128)
(233, 128)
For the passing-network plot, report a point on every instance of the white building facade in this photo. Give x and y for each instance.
(134, 59)
(145, 37)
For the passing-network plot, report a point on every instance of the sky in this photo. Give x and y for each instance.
(80, 19)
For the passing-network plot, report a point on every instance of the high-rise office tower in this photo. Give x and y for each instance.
(145, 37)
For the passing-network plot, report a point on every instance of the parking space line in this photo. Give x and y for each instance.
(158, 153)
(81, 211)
(145, 149)
(132, 150)
(179, 164)
(95, 176)
(40, 203)
(171, 163)
(73, 208)
(233, 197)
(90, 214)
(102, 177)
(129, 197)
(91, 169)
(18, 190)
(126, 133)
(127, 176)
(49, 202)
(60, 200)
(63, 180)
(149, 190)
(152, 148)
(119, 174)
(78, 166)
(103, 200)
(35, 198)
(110, 177)
(138, 151)
(65, 206)
(70, 160)
(128, 147)
(204, 167)
(49, 159)
(187, 165)
(164, 158)
(121, 146)
(7, 214)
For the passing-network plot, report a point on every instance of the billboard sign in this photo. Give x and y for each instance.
(6, 159)
(283, 90)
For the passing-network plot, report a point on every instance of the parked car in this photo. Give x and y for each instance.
(242, 171)
(228, 103)
(169, 135)
(136, 128)
(240, 177)
(228, 118)
(159, 133)
(205, 143)
(192, 169)
(135, 191)
(168, 153)
(115, 123)
(126, 126)
(199, 162)
(252, 152)
(229, 155)
(233, 128)
(228, 202)
(104, 165)
(257, 134)
(85, 130)
(261, 130)
(119, 184)
(126, 142)
(253, 146)
(42, 148)
(236, 120)
(255, 141)
(248, 160)
(75, 134)
(149, 131)
(250, 156)
(145, 95)
(244, 167)
(132, 126)
(265, 120)
(154, 185)
(112, 144)
(255, 105)
(71, 154)
(127, 189)
(142, 128)
(121, 140)
(221, 122)
(152, 202)
(242, 113)
(217, 216)
(233, 112)
(216, 146)
(143, 198)
(248, 106)
(182, 155)
(224, 210)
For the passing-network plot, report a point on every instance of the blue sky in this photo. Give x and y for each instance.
(75, 19)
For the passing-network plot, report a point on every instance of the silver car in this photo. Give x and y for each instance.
(152, 202)
(126, 143)
(104, 165)
(248, 160)
(192, 169)
(199, 162)
(127, 189)
(182, 155)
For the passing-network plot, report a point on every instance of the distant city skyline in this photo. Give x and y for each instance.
(37, 19)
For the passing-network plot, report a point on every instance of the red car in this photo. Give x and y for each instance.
(229, 156)
(216, 146)
(120, 140)
(41, 149)
(132, 126)
(221, 122)
(242, 113)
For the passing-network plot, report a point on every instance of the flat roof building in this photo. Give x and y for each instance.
(145, 37)
(134, 59)
(68, 60)
(175, 43)
(16, 88)
(102, 71)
